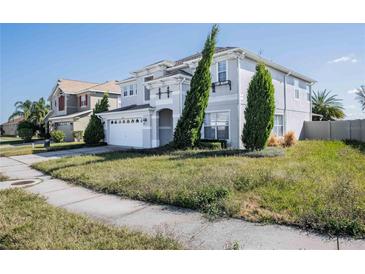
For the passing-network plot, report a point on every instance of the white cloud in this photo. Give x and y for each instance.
(343, 59)
(352, 91)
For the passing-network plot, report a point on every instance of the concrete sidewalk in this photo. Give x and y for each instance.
(187, 226)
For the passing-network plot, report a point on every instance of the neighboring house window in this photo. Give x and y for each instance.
(83, 100)
(146, 94)
(296, 93)
(125, 91)
(222, 71)
(55, 103)
(61, 103)
(131, 90)
(278, 125)
(216, 126)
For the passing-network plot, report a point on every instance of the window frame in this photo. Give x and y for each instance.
(226, 70)
(125, 91)
(146, 88)
(131, 90)
(296, 90)
(83, 102)
(275, 126)
(216, 126)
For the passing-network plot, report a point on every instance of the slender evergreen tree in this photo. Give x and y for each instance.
(187, 131)
(94, 131)
(259, 112)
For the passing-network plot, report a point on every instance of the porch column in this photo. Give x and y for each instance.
(154, 130)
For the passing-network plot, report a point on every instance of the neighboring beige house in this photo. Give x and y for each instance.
(10, 127)
(73, 101)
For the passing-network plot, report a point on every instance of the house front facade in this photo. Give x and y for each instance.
(10, 128)
(153, 99)
(73, 101)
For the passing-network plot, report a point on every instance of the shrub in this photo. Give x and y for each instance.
(26, 134)
(210, 144)
(187, 131)
(273, 141)
(26, 130)
(259, 112)
(78, 135)
(57, 136)
(289, 139)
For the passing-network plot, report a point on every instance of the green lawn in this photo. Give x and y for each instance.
(316, 184)
(28, 222)
(12, 140)
(27, 149)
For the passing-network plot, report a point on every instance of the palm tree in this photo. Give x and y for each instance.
(39, 111)
(22, 109)
(360, 96)
(329, 106)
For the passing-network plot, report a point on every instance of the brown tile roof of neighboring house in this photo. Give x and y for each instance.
(197, 55)
(13, 121)
(73, 86)
(109, 86)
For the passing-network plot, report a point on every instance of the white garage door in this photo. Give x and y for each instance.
(128, 132)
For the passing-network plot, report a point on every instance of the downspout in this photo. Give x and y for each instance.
(181, 94)
(310, 101)
(240, 125)
(285, 118)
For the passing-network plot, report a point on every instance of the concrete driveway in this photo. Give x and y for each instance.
(187, 226)
(45, 156)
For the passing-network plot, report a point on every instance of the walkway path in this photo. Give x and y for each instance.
(187, 226)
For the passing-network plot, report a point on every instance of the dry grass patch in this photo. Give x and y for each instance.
(297, 188)
(28, 222)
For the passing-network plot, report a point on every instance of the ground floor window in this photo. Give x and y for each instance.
(278, 125)
(216, 125)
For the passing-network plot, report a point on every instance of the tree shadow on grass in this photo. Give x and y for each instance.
(360, 146)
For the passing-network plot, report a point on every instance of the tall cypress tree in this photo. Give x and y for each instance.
(94, 131)
(259, 112)
(187, 131)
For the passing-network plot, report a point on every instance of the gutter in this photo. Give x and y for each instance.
(181, 94)
(310, 100)
(285, 118)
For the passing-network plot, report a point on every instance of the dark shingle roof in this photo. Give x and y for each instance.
(131, 107)
(197, 55)
(171, 73)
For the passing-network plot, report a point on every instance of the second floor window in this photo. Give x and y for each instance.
(61, 103)
(131, 90)
(296, 93)
(222, 71)
(83, 100)
(125, 91)
(146, 94)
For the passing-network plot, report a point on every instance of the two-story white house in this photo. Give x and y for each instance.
(153, 100)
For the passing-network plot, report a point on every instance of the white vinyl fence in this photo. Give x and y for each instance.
(335, 130)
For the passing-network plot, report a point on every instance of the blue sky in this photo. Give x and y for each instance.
(34, 56)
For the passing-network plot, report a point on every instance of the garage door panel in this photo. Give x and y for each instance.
(126, 134)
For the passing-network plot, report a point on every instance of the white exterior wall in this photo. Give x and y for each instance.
(297, 110)
(232, 100)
